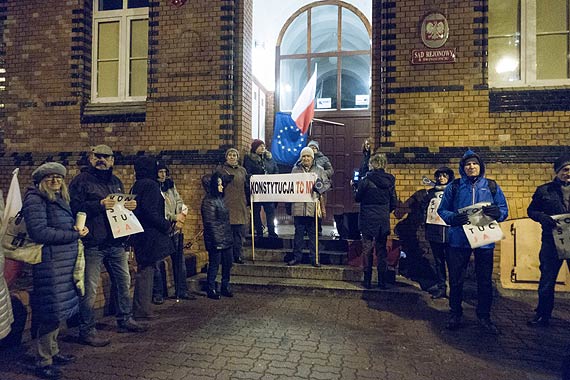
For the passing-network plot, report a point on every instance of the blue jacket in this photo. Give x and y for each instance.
(468, 193)
(54, 297)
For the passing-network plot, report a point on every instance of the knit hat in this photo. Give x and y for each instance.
(313, 143)
(102, 149)
(308, 152)
(561, 162)
(255, 144)
(161, 165)
(47, 169)
(446, 170)
(236, 151)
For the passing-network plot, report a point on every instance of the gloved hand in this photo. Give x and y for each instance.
(547, 221)
(459, 219)
(492, 211)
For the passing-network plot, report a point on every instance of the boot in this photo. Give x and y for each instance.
(382, 280)
(367, 283)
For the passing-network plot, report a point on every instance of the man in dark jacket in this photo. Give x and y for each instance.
(89, 192)
(260, 161)
(552, 198)
(436, 233)
(376, 193)
(154, 243)
(472, 188)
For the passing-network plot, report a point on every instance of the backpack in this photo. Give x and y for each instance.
(17, 244)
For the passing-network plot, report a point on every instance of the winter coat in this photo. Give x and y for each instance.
(547, 200)
(6, 316)
(376, 193)
(86, 191)
(308, 208)
(323, 161)
(154, 243)
(54, 297)
(255, 164)
(216, 219)
(467, 194)
(236, 192)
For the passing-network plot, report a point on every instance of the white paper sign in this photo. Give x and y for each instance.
(562, 235)
(361, 100)
(295, 187)
(481, 229)
(432, 215)
(123, 222)
(324, 103)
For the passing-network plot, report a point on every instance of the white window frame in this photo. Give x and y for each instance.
(124, 17)
(527, 61)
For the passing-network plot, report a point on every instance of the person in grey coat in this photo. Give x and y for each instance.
(49, 221)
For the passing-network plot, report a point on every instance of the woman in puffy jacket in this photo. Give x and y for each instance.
(49, 221)
(217, 235)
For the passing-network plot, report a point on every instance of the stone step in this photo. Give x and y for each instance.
(325, 243)
(302, 271)
(278, 255)
(402, 291)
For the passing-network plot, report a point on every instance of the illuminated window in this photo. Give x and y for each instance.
(528, 43)
(120, 50)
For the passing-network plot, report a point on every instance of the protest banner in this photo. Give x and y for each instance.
(432, 216)
(295, 187)
(481, 229)
(123, 222)
(562, 235)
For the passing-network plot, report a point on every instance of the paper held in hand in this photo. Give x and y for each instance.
(562, 235)
(481, 229)
(123, 222)
(432, 216)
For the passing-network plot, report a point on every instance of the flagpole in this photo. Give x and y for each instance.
(328, 122)
(317, 209)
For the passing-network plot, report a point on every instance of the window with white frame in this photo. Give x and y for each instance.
(120, 50)
(529, 43)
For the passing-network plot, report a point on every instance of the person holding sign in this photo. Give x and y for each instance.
(550, 199)
(304, 212)
(90, 192)
(470, 189)
(436, 229)
(50, 222)
(376, 193)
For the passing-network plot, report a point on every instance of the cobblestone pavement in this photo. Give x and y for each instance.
(272, 336)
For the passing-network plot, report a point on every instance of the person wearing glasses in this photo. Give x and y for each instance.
(89, 192)
(50, 222)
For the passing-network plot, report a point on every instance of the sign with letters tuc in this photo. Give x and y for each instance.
(434, 33)
(122, 221)
(562, 235)
(295, 187)
(481, 230)
(432, 216)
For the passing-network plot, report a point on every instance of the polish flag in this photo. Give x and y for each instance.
(12, 268)
(304, 109)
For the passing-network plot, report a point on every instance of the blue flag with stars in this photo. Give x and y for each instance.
(287, 139)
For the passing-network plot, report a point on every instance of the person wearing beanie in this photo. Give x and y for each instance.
(175, 213)
(154, 243)
(470, 189)
(50, 222)
(304, 213)
(259, 161)
(551, 198)
(89, 192)
(236, 197)
(436, 230)
(376, 193)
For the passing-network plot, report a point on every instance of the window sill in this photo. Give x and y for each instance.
(114, 112)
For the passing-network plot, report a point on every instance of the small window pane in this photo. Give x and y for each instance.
(295, 38)
(110, 5)
(354, 33)
(137, 79)
(324, 28)
(551, 57)
(108, 40)
(504, 17)
(504, 60)
(327, 84)
(137, 4)
(355, 81)
(139, 38)
(293, 78)
(108, 79)
(551, 16)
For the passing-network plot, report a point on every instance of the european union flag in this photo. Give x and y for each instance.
(287, 139)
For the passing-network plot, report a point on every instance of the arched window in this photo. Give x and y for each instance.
(335, 37)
